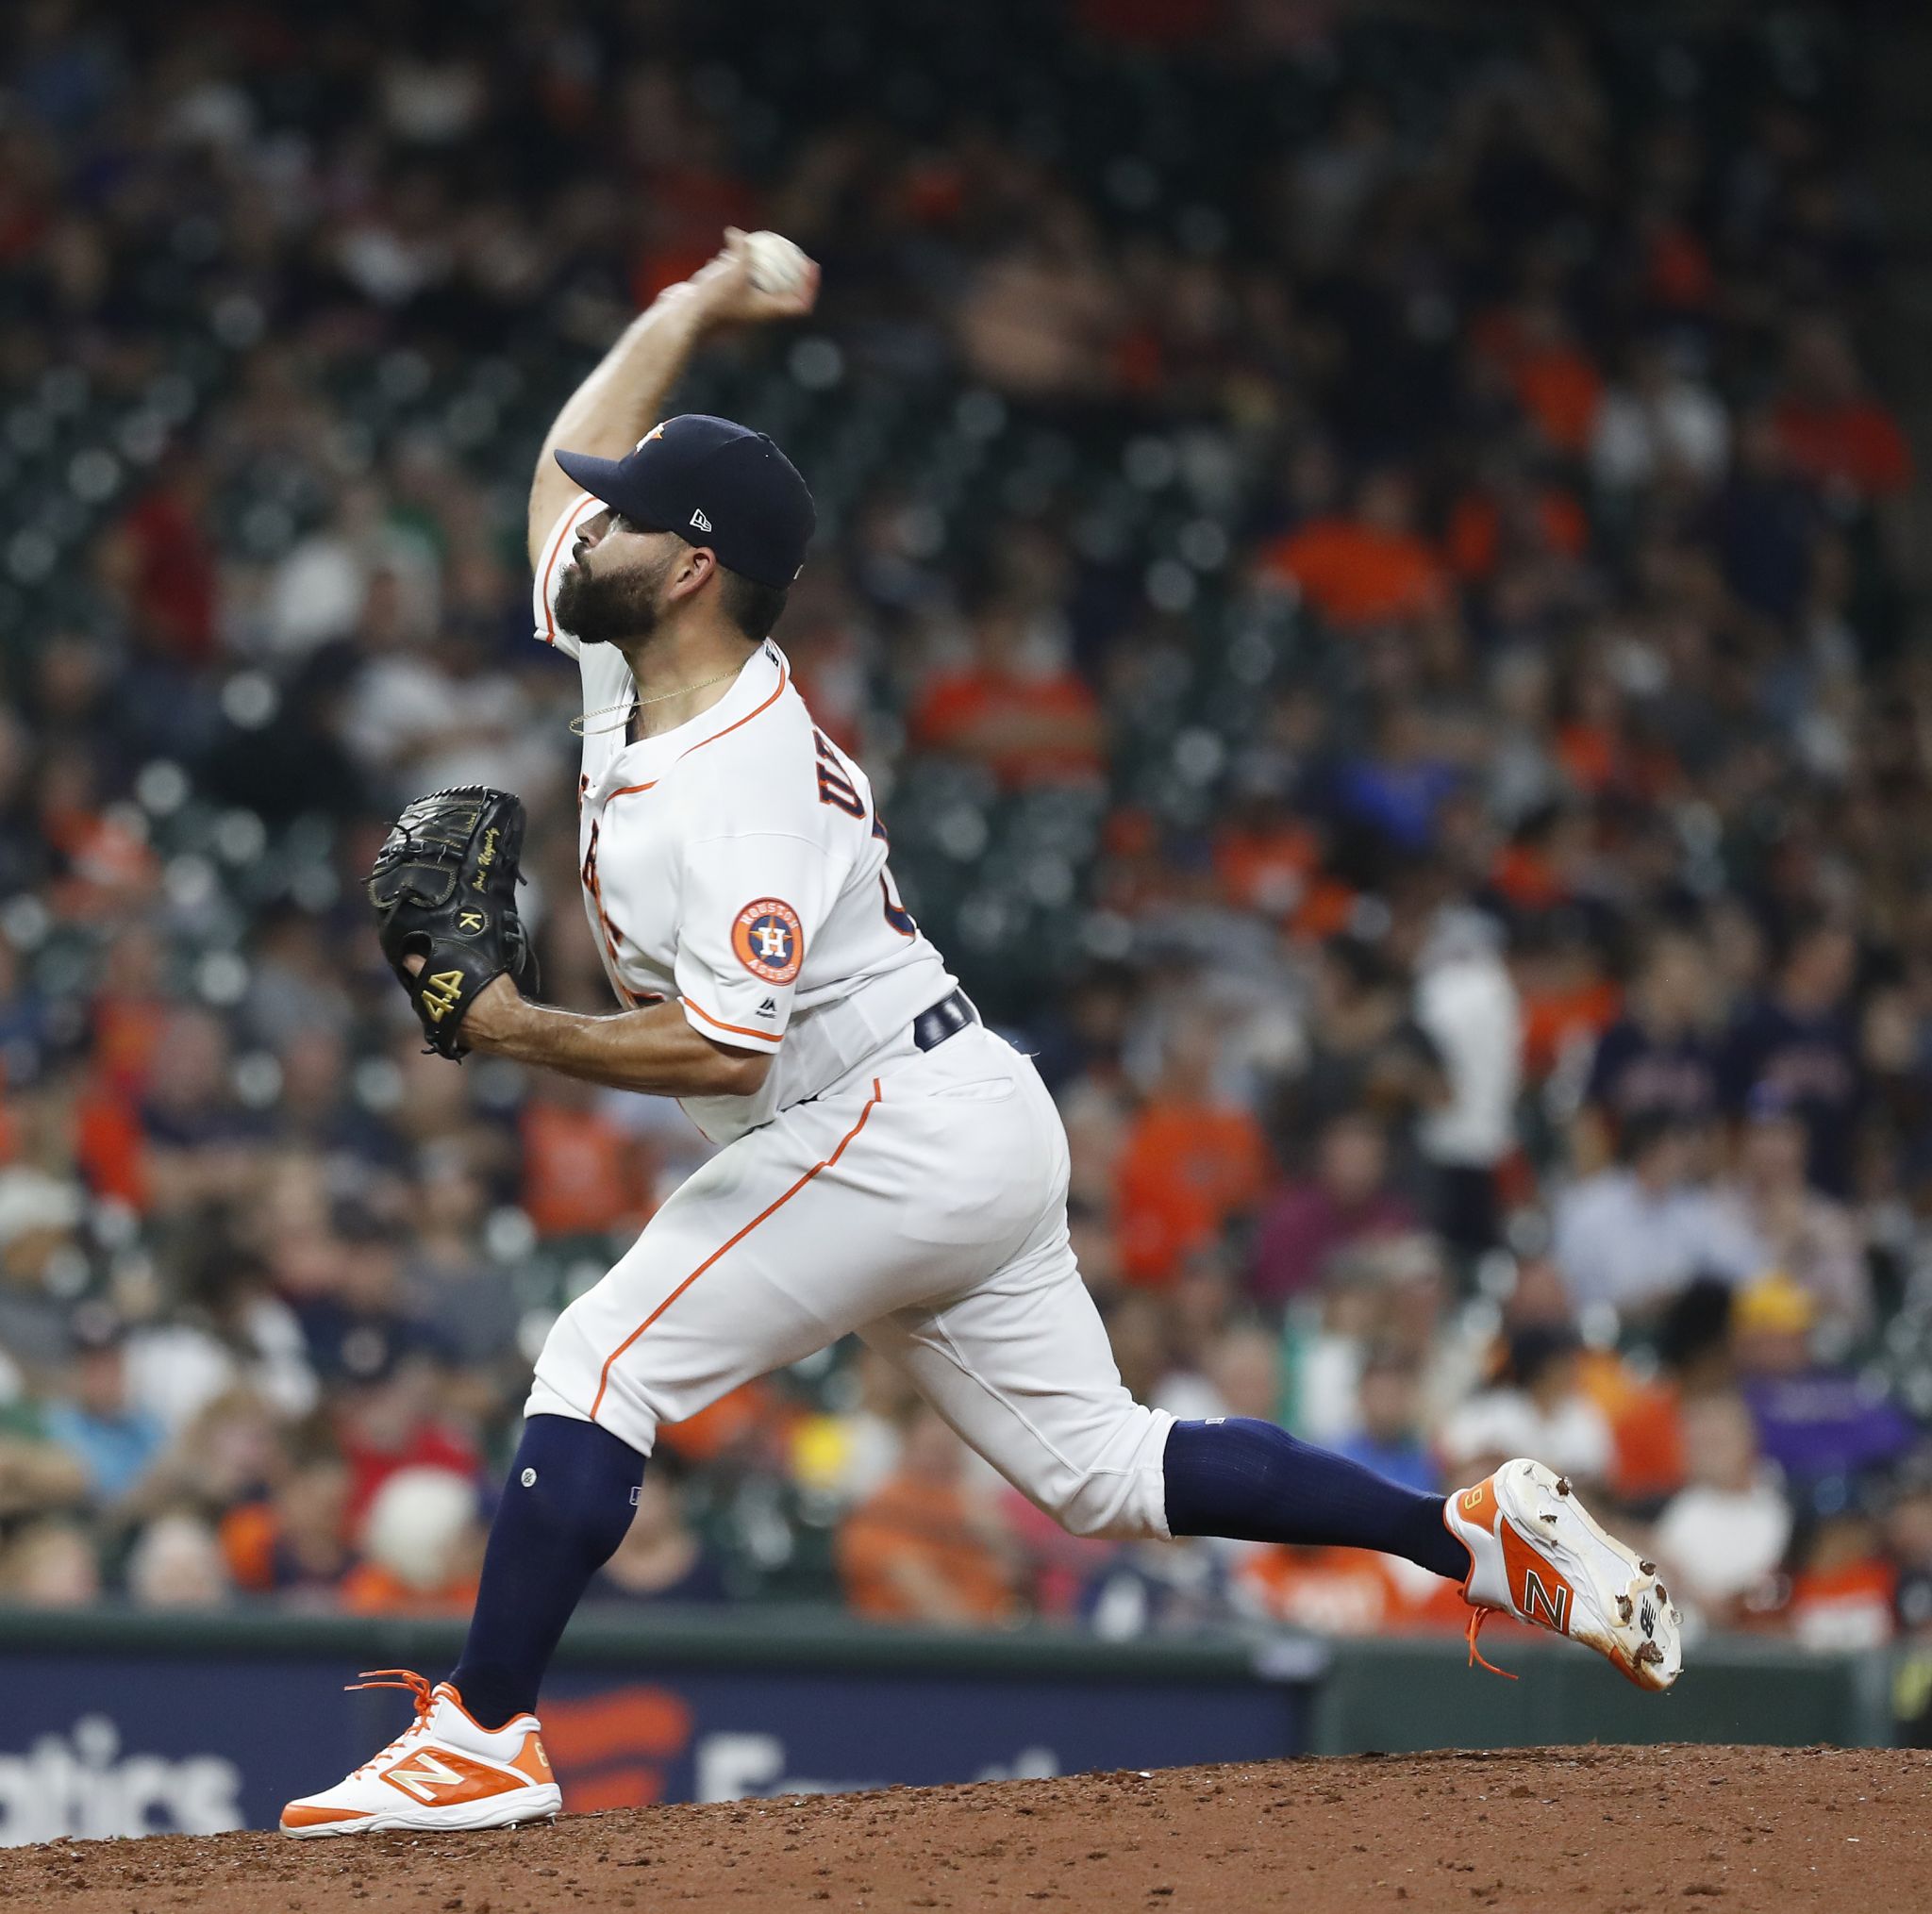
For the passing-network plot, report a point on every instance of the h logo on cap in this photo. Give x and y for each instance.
(699, 520)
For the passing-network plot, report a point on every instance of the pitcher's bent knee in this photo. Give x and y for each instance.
(1115, 1488)
(571, 1380)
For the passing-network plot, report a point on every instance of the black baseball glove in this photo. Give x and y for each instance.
(444, 886)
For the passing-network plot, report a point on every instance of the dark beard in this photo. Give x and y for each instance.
(606, 610)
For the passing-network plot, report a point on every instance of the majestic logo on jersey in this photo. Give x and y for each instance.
(769, 939)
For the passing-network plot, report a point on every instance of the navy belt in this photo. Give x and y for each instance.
(947, 1018)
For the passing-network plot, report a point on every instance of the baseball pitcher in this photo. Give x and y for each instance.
(888, 1167)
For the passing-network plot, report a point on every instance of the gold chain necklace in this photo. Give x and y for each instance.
(634, 704)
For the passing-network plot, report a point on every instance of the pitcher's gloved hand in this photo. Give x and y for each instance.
(444, 888)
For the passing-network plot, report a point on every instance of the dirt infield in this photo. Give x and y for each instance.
(1585, 1829)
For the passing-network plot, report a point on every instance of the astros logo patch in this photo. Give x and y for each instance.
(769, 939)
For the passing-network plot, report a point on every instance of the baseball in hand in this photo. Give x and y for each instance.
(777, 266)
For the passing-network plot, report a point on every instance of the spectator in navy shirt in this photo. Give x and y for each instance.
(1799, 1043)
(1659, 1059)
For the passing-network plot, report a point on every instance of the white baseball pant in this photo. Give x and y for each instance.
(922, 1205)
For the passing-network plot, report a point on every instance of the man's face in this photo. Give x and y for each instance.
(1664, 1160)
(101, 1381)
(1388, 1403)
(612, 589)
(1774, 1149)
(1352, 1161)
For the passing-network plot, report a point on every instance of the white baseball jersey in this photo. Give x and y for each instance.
(917, 1198)
(738, 864)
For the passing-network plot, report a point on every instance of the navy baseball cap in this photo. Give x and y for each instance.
(714, 483)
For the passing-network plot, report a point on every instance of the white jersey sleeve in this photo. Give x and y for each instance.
(550, 561)
(750, 905)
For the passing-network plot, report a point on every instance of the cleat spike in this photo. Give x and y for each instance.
(1647, 1568)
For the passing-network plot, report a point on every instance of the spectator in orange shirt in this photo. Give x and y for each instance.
(1536, 870)
(1510, 515)
(583, 1174)
(1842, 1587)
(918, 1549)
(1554, 380)
(1191, 1161)
(1346, 1591)
(129, 1012)
(1367, 567)
(1569, 999)
(1834, 431)
(1265, 856)
(1598, 745)
(1028, 721)
(68, 1124)
(106, 866)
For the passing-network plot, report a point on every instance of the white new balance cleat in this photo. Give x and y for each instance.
(1535, 1554)
(444, 1774)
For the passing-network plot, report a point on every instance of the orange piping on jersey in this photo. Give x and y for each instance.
(604, 1379)
(631, 789)
(777, 691)
(736, 1029)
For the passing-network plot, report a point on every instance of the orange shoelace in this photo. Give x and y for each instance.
(412, 1684)
(404, 1678)
(1476, 1658)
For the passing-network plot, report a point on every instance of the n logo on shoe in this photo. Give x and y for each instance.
(1555, 1607)
(444, 1777)
(427, 1774)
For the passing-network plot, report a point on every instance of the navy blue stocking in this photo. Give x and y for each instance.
(565, 1508)
(1251, 1482)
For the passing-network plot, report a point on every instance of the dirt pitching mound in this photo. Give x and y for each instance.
(1606, 1830)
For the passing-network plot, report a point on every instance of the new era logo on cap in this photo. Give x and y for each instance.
(699, 520)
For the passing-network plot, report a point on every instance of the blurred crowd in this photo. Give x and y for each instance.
(1503, 1024)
